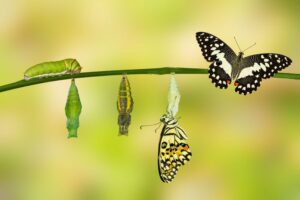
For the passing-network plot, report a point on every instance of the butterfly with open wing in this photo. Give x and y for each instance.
(247, 72)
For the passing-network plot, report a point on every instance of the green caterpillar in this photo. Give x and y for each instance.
(73, 110)
(66, 66)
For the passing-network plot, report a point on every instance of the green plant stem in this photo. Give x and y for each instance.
(159, 71)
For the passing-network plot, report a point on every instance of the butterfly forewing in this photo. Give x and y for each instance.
(216, 51)
(258, 67)
(173, 151)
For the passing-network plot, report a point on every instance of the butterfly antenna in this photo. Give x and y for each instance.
(141, 127)
(237, 44)
(158, 127)
(249, 47)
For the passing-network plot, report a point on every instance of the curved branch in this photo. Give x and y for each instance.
(159, 71)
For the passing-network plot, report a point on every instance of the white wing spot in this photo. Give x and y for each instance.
(248, 85)
(262, 56)
(215, 52)
(253, 86)
(218, 77)
(266, 60)
(244, 88)
(220, 82)
(278, 60)
(222, 44)
(213, 75)
(206, 39)
(275, 56)
(216, 45)
(256, 81)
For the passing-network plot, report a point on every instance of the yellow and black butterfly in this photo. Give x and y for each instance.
(173, 151)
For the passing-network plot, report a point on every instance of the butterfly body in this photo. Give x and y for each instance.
(247, 72)
(173, 151)
(237, 66)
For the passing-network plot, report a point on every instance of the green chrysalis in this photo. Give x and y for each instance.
(66, 66)
(124, 105)
(73, 110)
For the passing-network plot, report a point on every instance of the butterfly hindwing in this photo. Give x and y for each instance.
(218, 75)
(258, 67)
(173, 151)
(216, 51)
(248, 84)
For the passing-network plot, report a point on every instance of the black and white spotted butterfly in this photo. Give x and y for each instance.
(247, 72)
(173, 151)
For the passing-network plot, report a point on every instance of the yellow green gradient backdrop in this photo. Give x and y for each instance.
(244, 147)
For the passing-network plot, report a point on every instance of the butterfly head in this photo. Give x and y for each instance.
(166, 119)
(240, 56)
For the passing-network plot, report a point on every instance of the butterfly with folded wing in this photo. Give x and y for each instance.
(173, 150)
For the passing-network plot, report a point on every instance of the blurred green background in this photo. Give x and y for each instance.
(243, 147)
